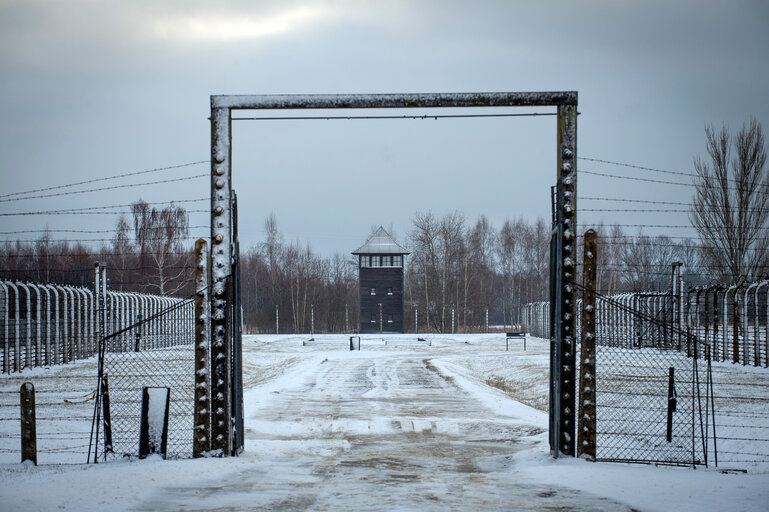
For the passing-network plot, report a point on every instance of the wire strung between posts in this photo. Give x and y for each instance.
(129, 185)
(633, 178)
(92, 209)
(633, 201)
(423, 116)
(648, 180)
(119, 212)
(81, 240)
(89, 231)
(632, 166)
(136, 173)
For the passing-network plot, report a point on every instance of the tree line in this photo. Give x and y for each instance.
(456, 264)
(148, 253)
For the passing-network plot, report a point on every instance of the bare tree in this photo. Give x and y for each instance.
(159, 235)
(424, 259)
(122, 253)
(730, 208)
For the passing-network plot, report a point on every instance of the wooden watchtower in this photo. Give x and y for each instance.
(381, 283)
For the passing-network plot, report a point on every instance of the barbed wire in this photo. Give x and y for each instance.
(633, 178)
(678, 203)
(125, 175)
(643, 243)
(82, 240)
(71, 255)
(92, 210)
(633, 166)
(112, 270)
(88, 231)
(652, 169)
(114, 187)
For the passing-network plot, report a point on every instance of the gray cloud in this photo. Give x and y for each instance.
(96, 88)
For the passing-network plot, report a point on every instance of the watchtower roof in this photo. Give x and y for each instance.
(380, 242)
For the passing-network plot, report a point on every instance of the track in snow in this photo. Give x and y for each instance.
(377, 431)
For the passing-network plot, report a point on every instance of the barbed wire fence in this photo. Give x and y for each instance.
(711, 340)
(151, 344)
(50, 310)
(155, 352)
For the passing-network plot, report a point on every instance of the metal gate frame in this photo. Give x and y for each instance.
(227, 393)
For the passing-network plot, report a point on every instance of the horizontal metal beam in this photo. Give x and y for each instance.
(333, 101)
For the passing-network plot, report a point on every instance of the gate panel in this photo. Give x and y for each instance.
(647, 396)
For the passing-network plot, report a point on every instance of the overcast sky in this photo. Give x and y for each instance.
(90, 89)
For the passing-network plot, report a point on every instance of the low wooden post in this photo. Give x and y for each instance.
(587, 413)
(28, 428)
(202, 420)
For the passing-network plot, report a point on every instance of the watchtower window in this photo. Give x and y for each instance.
(373, 290)
(373, 318)
(389, 319)
(389, 290)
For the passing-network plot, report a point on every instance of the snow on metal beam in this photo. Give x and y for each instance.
(332, 101)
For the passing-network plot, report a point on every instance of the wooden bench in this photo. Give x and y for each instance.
(515, 335)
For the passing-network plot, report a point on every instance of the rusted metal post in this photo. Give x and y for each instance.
(221, 272)
(202, 421)
(28, 427)
(587, 414)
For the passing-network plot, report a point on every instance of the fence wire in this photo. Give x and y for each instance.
(64, 408)
(149, 343)
(720, 381)
(149, 354)
(647, 391)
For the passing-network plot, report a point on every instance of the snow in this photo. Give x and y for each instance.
(455, 422)
(156, 417)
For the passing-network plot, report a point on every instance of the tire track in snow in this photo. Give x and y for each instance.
(383, 432)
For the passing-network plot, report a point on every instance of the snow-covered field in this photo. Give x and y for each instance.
(451, 423)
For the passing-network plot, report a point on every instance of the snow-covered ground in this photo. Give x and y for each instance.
(449, 423)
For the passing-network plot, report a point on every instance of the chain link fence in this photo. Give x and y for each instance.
(647, 391)
(156, 352)
(680, 378)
